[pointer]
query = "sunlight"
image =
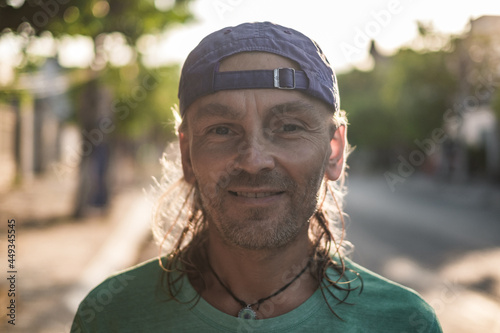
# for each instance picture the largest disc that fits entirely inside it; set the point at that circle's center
(344, 32)
(76, 51)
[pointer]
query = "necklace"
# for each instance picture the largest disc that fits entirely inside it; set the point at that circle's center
(247, 312)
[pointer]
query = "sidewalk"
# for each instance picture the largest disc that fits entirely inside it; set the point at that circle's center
(60, 259)
(473, 194)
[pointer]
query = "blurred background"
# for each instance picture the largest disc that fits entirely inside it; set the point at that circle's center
(86, 89)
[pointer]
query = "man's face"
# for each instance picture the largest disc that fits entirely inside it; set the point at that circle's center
(257, 158)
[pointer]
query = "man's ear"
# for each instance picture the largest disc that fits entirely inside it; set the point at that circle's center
(336, 160)
(187, 167)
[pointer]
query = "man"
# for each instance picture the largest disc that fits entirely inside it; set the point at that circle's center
(263, 147)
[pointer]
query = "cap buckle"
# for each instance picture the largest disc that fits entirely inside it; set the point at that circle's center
(277, 80)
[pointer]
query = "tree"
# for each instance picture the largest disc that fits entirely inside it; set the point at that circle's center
(401, 100)
(118, 98)
(418, 91)
(132, 18)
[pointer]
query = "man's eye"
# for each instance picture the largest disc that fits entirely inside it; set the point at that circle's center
(221, 130)
(290, 127)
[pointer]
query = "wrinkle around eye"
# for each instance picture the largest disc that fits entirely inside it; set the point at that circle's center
(290, 127)
(220, 131)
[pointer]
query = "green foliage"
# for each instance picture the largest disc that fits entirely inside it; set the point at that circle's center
(418, 90)
(360, 96)
(141, 97)
(133, 18)
(143, 101)
(496, 103)
(400, 100)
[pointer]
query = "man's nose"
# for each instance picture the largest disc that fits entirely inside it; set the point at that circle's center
(254, 155)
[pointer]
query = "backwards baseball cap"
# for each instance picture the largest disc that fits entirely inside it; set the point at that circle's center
(201, 76)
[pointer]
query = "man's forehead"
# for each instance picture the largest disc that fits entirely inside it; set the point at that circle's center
(220, 109)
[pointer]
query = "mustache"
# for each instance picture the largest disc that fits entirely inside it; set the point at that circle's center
(272, 178)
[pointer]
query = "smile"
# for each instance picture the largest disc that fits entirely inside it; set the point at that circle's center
(254, 194)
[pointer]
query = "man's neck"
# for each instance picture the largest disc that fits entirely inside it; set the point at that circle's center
(255, 274)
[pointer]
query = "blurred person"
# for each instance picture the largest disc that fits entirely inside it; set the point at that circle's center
(258, 234)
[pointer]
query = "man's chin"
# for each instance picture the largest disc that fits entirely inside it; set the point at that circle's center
(260, 234)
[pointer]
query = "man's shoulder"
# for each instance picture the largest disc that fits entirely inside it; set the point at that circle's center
(378, 286)
(143, 275)
(388, 303)
(128, 297)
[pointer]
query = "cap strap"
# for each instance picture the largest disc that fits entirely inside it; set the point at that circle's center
(281, 78)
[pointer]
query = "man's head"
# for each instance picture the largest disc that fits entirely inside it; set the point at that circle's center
(258, 154)
(201, 71)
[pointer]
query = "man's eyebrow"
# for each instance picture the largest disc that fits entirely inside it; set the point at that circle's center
(217, 110)
(292, 107)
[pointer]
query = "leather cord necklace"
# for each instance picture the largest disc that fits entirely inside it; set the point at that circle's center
(247, 312)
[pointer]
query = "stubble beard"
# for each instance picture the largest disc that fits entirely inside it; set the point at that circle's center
(262, 228)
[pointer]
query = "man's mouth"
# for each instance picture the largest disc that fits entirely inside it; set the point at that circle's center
(254, 194)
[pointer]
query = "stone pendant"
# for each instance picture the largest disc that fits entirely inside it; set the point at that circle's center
(247, 313)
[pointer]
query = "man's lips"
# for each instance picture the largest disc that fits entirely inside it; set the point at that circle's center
(255, 194)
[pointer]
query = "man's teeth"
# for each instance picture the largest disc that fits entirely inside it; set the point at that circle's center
(255, 194)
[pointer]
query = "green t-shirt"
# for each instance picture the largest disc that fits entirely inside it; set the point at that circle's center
(134, 301)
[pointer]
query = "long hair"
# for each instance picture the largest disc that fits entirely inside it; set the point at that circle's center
(180, 227)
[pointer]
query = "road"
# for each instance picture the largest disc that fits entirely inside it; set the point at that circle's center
(442, 240)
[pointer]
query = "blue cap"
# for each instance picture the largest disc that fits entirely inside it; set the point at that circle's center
(200, 74)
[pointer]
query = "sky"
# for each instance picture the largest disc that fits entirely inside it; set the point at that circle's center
(343, 29)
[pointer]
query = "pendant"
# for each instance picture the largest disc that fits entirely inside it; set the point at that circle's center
(247, 313)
